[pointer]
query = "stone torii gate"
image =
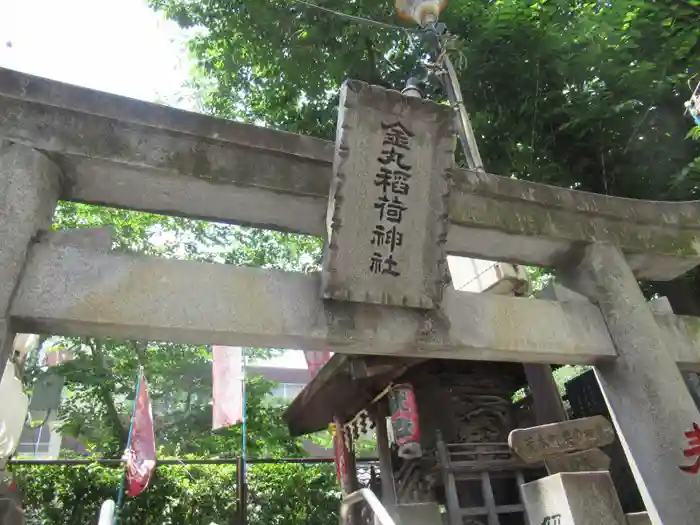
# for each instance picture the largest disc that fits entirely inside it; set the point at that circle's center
(384, 287)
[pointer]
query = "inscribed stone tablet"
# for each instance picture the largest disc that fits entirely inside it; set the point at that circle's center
(387, 213)
(583, 461)
(573, 498)
(546, 441)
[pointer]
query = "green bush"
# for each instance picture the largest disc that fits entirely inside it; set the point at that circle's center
(192, 495)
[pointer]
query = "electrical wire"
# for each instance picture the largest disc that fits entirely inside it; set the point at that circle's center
(357, 19)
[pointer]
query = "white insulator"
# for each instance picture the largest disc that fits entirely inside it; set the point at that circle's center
(422, 12)
(107, 513)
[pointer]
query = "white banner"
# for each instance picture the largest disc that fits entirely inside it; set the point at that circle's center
(227, 371)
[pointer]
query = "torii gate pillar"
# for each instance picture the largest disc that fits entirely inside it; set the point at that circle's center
(29, 190)
(648, 400)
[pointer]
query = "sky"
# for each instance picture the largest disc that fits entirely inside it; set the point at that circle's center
(117, 46)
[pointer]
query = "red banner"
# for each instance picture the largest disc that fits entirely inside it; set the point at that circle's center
(227, 371)
(404, 420)
(315, 360)
(342, 457)
(141, 454)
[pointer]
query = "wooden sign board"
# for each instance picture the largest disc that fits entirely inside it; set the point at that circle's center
(547, 441)
(387, 212)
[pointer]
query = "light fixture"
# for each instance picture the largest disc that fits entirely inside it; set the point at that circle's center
(422, 12)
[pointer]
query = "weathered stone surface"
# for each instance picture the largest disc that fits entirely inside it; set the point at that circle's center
(387, 210)
(73, 290)
(88, 238)
(7, 338)
(573, 498)
(690, 375)
(583, 461)
(545, 441)
(132, 154)
(647, 398)
(127, 153)
(638, 518)
(29, 188)
(680, 331)
(540, 222)
(172, 193)
(681, 335)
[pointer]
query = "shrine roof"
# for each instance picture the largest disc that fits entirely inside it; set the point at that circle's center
(345, 385)
(348, 384)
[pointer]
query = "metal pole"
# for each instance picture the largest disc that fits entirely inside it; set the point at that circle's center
(242, 492)
(467, 137)
(433, 32)
(241, 470)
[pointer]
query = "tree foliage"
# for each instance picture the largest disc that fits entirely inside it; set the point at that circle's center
(100, 382)
(587, 95)
(181, 238)
(575, 94)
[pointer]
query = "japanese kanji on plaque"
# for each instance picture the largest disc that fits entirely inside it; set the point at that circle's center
(387, 216)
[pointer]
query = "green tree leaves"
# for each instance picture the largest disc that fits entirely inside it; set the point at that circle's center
(181, 495)
(586, 95)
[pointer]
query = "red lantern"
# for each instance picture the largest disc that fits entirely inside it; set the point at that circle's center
(404, 420)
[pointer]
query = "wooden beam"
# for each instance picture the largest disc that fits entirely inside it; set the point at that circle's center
(74, 290)
(125, 153)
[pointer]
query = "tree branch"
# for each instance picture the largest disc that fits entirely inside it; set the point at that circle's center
(105, 395)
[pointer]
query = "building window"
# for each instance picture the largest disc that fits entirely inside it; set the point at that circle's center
(41, 442)
(287, 391)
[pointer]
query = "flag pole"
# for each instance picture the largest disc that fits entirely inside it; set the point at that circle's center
(242, 467)
(120, 494)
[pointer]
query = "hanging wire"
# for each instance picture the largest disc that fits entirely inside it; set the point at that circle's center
(446, 72)
(356, 19)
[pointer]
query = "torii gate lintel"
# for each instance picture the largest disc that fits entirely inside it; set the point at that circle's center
(156, 159)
